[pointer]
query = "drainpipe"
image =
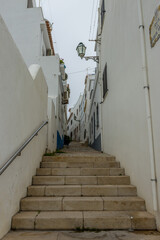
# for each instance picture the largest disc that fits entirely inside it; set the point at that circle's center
(148, 107)
(101, 92)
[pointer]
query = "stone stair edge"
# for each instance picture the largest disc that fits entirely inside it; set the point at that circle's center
(136, 220)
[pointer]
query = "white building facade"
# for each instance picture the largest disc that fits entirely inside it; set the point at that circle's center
(32, 34)
(94, 114)
(128, 48)
(74, 126)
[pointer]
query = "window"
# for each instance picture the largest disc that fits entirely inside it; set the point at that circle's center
(71, 134)
(30, 4)
(90, 128)
(97, 113)
(85, 134)
(102, 12)
(71, 122)
(105, 87)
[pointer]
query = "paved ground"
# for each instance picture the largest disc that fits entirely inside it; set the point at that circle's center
(103, 235)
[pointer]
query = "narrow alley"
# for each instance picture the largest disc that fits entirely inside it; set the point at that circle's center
(79, 119)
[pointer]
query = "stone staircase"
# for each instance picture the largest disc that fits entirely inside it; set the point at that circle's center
(82, 189)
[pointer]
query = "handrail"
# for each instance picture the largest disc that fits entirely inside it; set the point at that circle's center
(18, 152)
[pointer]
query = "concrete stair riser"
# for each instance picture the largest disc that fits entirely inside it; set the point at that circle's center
(82, 204)
(108, 164)
(80, 180)
(67, 220)
(78, 159)
(82, 190)
(80, 171)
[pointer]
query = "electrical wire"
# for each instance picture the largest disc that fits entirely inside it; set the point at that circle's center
(80, 71)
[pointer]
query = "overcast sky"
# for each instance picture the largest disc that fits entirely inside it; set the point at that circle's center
(73, 21)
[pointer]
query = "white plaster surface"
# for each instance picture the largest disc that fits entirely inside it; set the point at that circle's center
(52, 133)
(23, 107)
(125, 132)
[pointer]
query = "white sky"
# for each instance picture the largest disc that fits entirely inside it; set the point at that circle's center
(74, 21)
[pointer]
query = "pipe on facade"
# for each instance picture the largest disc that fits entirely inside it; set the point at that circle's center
(101, 91)
(148, 107)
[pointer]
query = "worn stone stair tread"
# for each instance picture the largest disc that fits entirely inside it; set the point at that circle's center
(84, 190)
(41, 204)
(87, 219)
(123, 203)
(109, 164)
(71, 180)
(119, 220)
(77, 158)
(82, 203)
(80, 171)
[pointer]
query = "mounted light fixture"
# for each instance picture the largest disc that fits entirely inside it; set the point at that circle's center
(81, 50)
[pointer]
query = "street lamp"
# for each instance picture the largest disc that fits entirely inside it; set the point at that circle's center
(81, 50)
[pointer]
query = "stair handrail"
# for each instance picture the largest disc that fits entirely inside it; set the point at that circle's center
(18, 152)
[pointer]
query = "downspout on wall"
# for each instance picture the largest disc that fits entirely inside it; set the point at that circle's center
(148, 109)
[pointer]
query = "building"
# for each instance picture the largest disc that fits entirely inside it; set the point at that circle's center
(128, 73)
(85, 108)
(36, 46)
(74, 127)
(94, 114)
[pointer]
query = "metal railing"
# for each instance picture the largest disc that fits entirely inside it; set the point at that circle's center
(18, 152)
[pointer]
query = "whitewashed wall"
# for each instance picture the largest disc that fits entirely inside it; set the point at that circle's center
(52, 132)
(23, 108)
(75, 124)
(94, 102)
(125, 132)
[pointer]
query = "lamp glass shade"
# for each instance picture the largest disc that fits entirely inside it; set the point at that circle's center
(81, 49)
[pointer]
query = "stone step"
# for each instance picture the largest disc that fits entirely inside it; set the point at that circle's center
(78, 158)
(82, 190)
(119, 220)
(109, 164)
(80, 171)
(67, 220)
(86, 180)
(82, 204)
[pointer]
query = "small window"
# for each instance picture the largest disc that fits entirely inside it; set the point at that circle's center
(71, 122)
(71, 134)
(102, 13)
(105, 84)
(30, 4)
(85, 134)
